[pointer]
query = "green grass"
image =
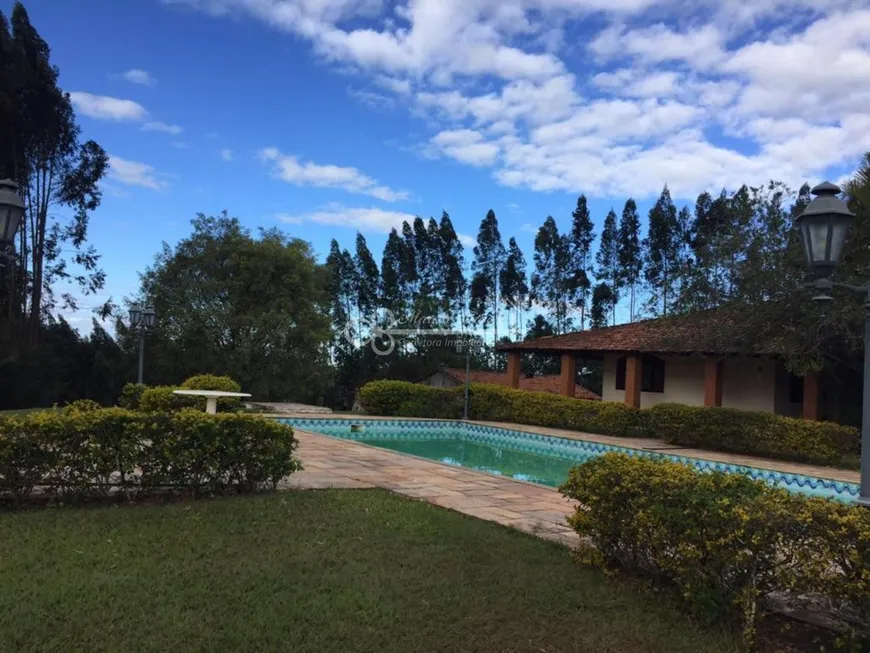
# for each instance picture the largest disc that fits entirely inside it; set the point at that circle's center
(330, 570)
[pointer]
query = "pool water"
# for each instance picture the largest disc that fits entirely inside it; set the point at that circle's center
(531, 457)
(521, 465)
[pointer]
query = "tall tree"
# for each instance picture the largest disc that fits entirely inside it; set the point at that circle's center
(489, 256)
(343, 290)
(662, 248)
(581, 237)
(629, 252)
(553, 278)
(391, 289)
(43, 154)
(410, 276)
(367, 278)
(607, 258)
(453, 259)
(514, 288)
(603, 301)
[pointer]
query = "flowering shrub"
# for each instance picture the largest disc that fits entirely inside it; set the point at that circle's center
(723, 541)
(88, 453)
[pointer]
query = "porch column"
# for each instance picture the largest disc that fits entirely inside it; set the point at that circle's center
(633, 378)
(712, 383)
(514, 359)
(811, 396)
(567, 374)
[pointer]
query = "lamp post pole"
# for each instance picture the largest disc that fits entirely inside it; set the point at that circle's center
(142, 319)
(823, 227)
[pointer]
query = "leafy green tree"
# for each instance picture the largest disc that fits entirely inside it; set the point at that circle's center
(554, 277)
(629, 252)
(391, 287)
(252, 308)
(662, 251)
(603, 301)
(607, 258)
(409, 279)
(581, 237)
(489, 257)
(453, 259)
(367, 278)
(54, 170)
(514, 288)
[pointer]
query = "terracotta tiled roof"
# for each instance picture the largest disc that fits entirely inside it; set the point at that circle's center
(546, 383)
(691, 333)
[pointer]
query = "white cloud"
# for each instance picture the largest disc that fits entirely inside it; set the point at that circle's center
(365, 219)
(361, 218)
(157, 126)
(467, 146)
(643, 99)
(133, 173)
(226, 154)
(101, 107)
(138, 76)
(305, 173)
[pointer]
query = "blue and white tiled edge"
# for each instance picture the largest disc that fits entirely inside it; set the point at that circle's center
(564, 448)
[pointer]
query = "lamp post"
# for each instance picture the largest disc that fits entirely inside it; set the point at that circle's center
(142, 319)
(823, 226)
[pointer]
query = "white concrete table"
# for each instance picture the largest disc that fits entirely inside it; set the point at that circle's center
(211, 397)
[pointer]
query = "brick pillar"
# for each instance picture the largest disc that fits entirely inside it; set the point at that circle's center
(712, 383)
(514, 360)
(633, 377)
(567, 374)
(811, 396)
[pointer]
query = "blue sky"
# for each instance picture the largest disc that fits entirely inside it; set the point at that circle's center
(327, 116)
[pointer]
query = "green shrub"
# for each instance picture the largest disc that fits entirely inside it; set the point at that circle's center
(131, 395)
(88, 453)
(755, 432)
(214, 382)
(162, 399)
(500, 404)
(82, 406)
(723, 541)
(211, 382)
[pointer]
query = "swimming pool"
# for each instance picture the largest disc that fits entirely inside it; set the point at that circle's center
(528, 456)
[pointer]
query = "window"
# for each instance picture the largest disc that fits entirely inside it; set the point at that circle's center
(795, 389)
(652, 377)
(653, 374)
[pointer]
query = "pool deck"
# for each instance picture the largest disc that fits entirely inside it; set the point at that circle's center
(336, 463)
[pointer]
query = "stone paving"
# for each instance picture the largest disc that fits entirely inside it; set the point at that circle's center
(334, 463)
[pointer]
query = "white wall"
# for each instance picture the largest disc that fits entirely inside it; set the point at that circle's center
(748, 383)
(684, 382)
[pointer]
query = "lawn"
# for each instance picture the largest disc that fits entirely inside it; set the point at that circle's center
(328, 570)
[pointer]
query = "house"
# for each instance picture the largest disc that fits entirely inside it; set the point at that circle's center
(677, 359)
(448, 377)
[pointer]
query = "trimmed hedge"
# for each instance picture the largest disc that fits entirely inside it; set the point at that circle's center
(723, 541)
(500, 404)
(78, 453)
(756, 432)
(723, 429)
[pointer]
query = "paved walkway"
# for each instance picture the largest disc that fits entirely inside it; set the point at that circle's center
(334, 463)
